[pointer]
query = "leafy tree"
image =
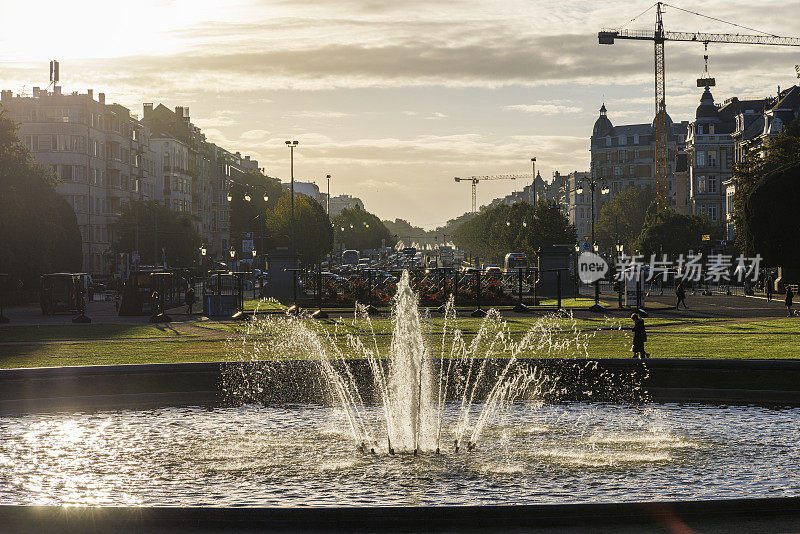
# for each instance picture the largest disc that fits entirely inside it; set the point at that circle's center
(38, 229)
(150, 227)
(312, 228)
(671, 233)
(770, 219)
(251, 216)
(521, 227)
(764, 205)
(361, 230)
(623, 218)
(403, 229)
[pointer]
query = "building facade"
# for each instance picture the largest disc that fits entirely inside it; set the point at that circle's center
(100, 153)
(624, 156)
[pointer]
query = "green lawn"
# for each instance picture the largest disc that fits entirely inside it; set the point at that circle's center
(678, 338)
(67, 332)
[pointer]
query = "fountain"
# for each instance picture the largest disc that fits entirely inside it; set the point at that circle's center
(416, 378)
(353, 412)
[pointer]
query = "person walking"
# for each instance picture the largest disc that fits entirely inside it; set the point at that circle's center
(189, 298)
(789, 297)
(639, 337)
(768, 288)
(680, 292)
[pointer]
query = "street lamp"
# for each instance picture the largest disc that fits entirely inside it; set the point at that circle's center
(292, 145)
(328, 200)
(533, 183)
(620, 248)
(604, 190)
(247, 197)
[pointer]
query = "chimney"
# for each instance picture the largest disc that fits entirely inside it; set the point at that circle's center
(90, 92)
(101, 97)
(57, 90)
(148, 108)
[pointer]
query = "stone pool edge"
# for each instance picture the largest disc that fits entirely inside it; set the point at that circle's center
(770, 382)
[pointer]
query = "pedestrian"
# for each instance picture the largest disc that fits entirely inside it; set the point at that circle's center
(789, 297)
(639, 337)
(155, 304)
(768, 289)
(189, 298)
(680, 292)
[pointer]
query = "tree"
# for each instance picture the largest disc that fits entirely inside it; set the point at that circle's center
(251, 216)
(151, 228)
(763, 204)
(312, 228)
(404, 229)
(521, 227)
(671, 233)
(38, 229)
(361, 230)
(623, 218)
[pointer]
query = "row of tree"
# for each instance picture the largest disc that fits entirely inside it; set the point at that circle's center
(520, 227)
(39, 231)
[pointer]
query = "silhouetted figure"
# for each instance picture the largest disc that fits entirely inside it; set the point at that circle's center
(189, 298)
(639, 337)
(680, 292)
(789, 297)
(155, 304)
(768, 289)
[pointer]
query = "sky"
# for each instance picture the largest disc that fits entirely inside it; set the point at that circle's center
(393, 98)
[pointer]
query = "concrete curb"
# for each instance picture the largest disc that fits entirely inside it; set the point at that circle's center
(764, 514)
(185, 384)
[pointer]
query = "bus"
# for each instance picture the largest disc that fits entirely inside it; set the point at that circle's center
(515, 260)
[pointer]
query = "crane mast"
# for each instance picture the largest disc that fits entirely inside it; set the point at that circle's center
(661, 114)
(659, 37)
(475, 179)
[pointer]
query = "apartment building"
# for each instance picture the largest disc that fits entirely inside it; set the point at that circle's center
(100, 152)
(623, 156)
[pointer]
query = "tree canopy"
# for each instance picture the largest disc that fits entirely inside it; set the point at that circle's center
(623, 218)
(765, 202)
(521, 227)
(150, 226)
(251, 216)
(361, 230)
(312, 228)
(669, 232)
(38, 229)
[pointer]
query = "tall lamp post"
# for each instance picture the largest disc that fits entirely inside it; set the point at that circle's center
(328, 199)
(292, 145)
(533, 183)
(620, 247)
(604, 190)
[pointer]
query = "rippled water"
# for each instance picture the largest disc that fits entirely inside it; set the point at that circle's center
(298, 455)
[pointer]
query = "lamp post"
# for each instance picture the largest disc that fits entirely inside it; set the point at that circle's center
(619, 247)
(604, 190)
(292, 145)
(328, 199)
(203, 253)
(533, 183)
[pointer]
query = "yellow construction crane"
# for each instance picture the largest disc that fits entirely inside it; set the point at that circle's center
(475, 179)
(659, 36)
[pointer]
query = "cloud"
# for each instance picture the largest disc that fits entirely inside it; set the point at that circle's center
(543, 109)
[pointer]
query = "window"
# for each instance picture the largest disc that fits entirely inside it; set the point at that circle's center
(711, 129)
(228, 171)
(32, 142)
(636, 139)
(631, 170)
(622, 139)
(701, 158)
(617, 171)
(712, 158)
(712, 212)
(712, 184)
